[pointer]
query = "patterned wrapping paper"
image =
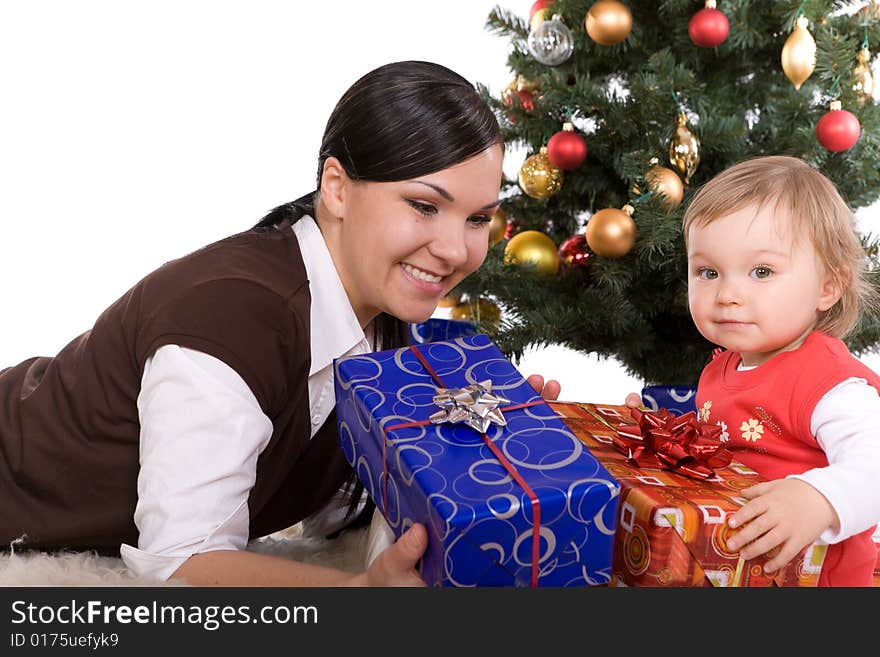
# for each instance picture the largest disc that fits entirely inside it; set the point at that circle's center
(672, 529)
(678, 399)
(480, 521)
(439, 330)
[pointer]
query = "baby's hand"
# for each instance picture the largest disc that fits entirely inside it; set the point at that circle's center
(785, 513)
(633, 400)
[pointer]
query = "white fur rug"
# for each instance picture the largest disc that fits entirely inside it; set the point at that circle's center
(348, 552)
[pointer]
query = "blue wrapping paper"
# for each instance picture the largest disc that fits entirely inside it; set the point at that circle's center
(439, 330)
(678, 400)
(479, 519)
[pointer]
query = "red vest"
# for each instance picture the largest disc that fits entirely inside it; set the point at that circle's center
(765, 415)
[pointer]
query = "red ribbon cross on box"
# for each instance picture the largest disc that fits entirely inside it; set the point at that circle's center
(511, 470)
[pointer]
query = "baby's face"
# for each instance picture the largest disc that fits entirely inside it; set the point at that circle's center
(752, 288)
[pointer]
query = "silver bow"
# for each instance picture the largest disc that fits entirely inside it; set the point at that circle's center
(475, 405)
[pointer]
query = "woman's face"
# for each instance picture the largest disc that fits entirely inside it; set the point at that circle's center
(404, 245)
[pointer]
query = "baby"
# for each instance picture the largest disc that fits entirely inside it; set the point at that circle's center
(776, 276)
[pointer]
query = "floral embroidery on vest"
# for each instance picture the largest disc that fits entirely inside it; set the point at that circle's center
(752, 430)
(724, 437)
(704, 411)
(767, 420)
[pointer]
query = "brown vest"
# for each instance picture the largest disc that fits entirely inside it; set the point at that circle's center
(69, 429)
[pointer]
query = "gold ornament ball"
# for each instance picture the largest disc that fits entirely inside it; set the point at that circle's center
(532, 247)
(483, 311)
(799, 53)
(538, 177)
(608, 22)
(498, 226)
(684, 150)
(666, 183)
(523, 84)
(611, 233)
(519, 83)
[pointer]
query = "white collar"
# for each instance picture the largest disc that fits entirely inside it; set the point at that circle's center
(334, 326)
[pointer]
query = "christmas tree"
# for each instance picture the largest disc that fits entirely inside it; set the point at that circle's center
(658, 98)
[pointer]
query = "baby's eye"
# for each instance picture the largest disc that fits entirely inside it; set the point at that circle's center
(762, 272)
(707, 274)
(422, 208)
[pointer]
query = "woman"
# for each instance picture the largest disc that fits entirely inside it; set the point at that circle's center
(197, 413)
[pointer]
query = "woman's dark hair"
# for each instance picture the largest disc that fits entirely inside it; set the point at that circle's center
(399, 121)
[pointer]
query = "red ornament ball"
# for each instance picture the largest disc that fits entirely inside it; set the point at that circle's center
(838, 130)
(512, 229)
(708, 27)
(566, 149)
(527, 99)
(538, 6)
(574, 253)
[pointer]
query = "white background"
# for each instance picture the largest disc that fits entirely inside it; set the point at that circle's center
(134, 132)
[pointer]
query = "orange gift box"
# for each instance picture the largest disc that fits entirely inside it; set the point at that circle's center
(672, 529)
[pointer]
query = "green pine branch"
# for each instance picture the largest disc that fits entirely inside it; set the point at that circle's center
(626, 99)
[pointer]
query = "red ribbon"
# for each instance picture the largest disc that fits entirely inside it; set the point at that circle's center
(679, 443)
(536, 505)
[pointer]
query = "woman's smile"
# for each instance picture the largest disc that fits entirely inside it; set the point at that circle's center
(423, 280)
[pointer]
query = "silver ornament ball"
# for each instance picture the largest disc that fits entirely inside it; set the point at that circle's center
(551, 42)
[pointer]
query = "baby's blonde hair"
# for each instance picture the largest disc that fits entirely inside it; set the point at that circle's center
(817, 211)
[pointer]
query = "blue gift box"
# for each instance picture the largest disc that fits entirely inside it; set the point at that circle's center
(480, 520)
(678, 400)
(439, 330)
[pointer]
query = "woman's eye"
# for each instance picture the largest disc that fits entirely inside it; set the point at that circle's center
(422, 208)
(479, 220)
(762, 272)
(707, 274)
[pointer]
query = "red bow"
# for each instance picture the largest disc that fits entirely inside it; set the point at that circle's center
(679, 443)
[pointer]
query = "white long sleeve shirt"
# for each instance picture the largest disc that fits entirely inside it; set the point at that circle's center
(846, 423)
(202, 431)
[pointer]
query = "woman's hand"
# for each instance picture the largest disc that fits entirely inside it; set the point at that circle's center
(549, 390)
(396, 565)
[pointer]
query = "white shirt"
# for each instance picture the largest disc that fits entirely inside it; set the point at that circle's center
(192, 494)
(846, 423)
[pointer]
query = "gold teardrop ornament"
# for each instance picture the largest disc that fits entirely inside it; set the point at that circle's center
(863, 78)
(799, 53)
(684, 150)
